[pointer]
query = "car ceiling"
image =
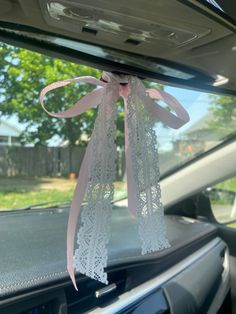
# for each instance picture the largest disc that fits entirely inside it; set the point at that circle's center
(185, 32)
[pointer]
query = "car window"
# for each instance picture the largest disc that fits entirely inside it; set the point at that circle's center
(40, 156)
(223, 201)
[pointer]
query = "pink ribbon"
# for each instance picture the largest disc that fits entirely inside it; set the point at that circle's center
(121, 88)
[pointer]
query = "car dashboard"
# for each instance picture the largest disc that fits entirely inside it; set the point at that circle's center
(192, 276)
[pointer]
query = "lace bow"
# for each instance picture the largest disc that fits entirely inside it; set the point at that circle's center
(98, 169)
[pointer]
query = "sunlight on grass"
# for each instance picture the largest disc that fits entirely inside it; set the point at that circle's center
(14, 200)
(229, 185)
(231, 225)
(21, 193)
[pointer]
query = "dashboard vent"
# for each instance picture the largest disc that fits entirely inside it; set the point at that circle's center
(87, 297)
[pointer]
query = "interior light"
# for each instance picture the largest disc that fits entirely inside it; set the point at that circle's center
(220, 80)
(74, 15)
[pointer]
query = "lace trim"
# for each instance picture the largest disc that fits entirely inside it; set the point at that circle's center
(143, 145)
(91, 256)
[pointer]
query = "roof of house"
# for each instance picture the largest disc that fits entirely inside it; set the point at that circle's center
(201, 124)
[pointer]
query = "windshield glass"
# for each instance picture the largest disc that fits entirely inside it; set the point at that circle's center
(40, 156)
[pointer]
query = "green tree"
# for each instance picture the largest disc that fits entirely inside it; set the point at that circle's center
(223, 110)
(23, 74)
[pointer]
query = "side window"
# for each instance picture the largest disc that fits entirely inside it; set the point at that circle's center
(223, 201)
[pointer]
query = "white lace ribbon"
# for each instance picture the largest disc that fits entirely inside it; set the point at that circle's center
(91, 256)
(143, 147)
(98, 170)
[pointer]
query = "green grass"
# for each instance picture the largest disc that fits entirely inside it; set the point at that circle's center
(227, 197)
(20, 193)
(19, 199)
(231, 225)
(229, 185)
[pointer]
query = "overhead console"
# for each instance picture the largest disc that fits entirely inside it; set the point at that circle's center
(190, 45)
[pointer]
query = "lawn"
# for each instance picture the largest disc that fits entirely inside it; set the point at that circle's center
(21, 192)
(224, 198)
(231, 225)
(229, 185)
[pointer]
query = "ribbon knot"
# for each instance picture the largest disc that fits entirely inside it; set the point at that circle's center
(124, 90)
(98, 169)
(121, 81)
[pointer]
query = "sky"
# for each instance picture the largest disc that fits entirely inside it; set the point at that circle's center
(196, 103)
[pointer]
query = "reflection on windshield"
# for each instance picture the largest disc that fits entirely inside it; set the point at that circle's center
(40, 157)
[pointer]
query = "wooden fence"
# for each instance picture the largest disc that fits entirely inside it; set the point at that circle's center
(43, 161)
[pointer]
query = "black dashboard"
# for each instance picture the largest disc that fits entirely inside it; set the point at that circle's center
(34, 279)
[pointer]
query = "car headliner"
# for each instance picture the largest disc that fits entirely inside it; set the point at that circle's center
(210, 52)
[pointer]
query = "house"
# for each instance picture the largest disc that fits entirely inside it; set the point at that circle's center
(202, 134)
(9, 134)
(199, 137)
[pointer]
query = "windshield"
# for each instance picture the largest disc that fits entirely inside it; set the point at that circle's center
(40, 156)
